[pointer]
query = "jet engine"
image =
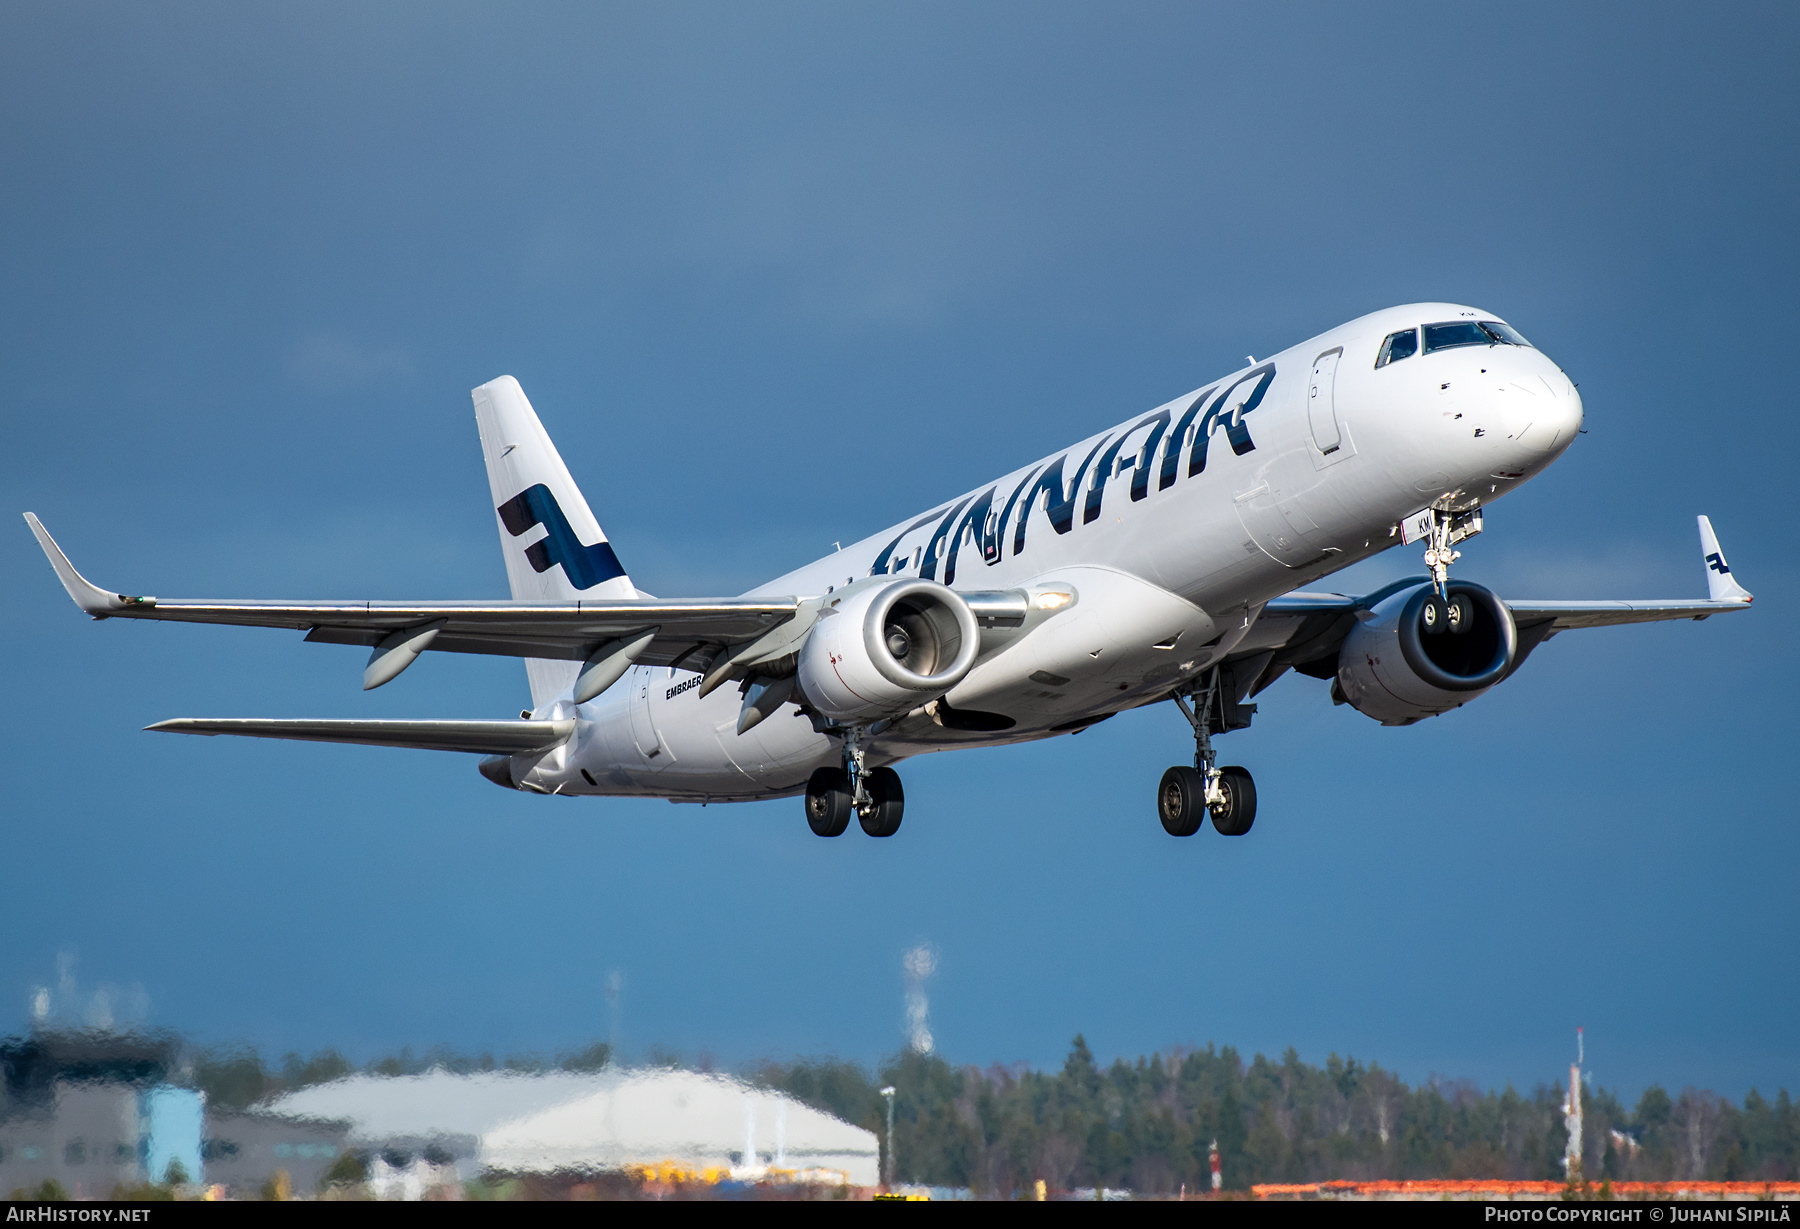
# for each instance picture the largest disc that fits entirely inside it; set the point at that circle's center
(882, 650)
(1416, 655)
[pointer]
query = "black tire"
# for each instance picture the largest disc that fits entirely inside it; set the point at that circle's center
(1461, 609)
(1181, 801)
(1239, 811)
(884, 789)
(1434, 616)
(828, 802)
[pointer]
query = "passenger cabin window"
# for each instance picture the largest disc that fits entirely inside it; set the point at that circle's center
(1398, 346)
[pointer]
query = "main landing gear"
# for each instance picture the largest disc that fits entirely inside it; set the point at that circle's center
(874, 795)
(1187, 796)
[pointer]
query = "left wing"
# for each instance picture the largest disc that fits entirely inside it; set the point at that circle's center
(1302, 631)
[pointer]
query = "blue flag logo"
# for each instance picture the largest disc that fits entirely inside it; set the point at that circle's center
(585, 566)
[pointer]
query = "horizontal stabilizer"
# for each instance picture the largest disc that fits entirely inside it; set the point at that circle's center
(480, 737)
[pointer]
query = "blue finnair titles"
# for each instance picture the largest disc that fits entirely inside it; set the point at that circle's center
(585, 566)
(972, 520)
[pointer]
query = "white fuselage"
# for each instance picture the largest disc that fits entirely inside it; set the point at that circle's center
(1173, 528)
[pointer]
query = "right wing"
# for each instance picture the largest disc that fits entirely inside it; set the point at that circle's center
(718, 637)
(482, 737)
(690, 633)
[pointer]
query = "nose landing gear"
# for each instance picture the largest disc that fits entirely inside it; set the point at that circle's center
(1188, 796)
(873, 795)
(1443, 530)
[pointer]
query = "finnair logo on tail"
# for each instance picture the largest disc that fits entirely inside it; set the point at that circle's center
(585, 566)
(1717, 563)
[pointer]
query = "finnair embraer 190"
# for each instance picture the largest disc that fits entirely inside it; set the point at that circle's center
(1161, 559)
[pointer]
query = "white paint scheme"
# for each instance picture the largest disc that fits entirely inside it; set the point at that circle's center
(1150, 585)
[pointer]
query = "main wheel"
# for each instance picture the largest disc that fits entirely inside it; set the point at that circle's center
(1239, 811)
(1181, 800)
(828, 802)
(889, 800)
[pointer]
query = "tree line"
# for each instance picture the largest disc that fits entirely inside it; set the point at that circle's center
(1150, 1125)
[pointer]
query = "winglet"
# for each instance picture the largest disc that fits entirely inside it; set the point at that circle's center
(96, 601)
(1719, 583)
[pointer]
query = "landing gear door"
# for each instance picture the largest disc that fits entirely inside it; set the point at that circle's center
(1328, 436)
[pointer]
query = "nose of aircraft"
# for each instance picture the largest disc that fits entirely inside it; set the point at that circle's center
(1555, 418)
(1528, 410)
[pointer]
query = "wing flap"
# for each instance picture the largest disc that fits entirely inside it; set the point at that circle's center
(668, 648)
(480, 737)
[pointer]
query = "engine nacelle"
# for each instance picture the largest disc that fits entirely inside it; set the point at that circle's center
(1392, 669)
(885, 649)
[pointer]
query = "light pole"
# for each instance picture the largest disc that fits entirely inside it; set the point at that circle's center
(887, 1178)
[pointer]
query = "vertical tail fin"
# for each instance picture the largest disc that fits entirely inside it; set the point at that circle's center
(554, 548)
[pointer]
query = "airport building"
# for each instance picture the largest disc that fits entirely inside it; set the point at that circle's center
(99, 1112)
(437, 1128)
(94, 1112)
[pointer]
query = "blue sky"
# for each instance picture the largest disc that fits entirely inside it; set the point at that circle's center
(777, 275)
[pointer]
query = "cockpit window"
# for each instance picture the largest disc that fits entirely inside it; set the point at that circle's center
(1459, 333)
(1469, 333)
(1398, 346)
(1505, 332)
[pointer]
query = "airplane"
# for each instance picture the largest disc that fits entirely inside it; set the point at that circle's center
(1162, 559)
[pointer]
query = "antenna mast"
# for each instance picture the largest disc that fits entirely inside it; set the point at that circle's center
(1572, 1110)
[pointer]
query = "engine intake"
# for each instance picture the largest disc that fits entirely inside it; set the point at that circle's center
(888, 648)
(1402, 664)
(1471, 659)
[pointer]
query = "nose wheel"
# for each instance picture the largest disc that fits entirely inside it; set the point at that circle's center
(1187, 797)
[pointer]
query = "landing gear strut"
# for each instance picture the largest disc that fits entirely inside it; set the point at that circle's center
(1443, 530)
(874, 795)
(1187, 796)
(1444, 611)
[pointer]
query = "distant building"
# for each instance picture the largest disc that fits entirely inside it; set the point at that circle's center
(96, 1111)
(423, 1130)
(243, 1151)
